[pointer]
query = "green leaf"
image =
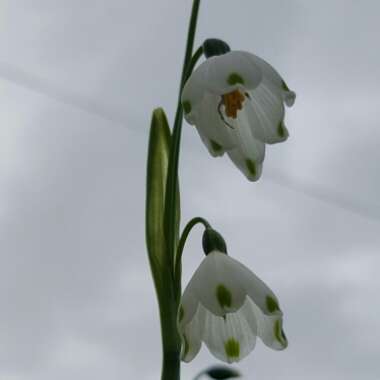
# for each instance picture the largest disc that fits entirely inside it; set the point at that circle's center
(222, 372)
(157, 169)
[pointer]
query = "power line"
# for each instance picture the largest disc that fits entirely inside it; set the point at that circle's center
(329, 196)
(43, 87)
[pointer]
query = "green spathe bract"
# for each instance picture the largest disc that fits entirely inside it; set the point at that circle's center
(157, 168)
(157, 172)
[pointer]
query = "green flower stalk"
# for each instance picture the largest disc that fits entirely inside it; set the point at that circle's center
(162, 214)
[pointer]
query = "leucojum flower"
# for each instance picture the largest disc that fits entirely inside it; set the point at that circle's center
(236, 102)
(226, 306)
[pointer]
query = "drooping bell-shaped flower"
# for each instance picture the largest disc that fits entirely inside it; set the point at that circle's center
(226, 306)
(236, 102)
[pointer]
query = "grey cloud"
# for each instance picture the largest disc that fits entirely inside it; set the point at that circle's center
(75, 290)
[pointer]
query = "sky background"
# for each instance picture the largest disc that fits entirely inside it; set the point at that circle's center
(78, 81)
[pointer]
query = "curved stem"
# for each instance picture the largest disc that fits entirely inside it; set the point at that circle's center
(190, 67)
(172, 179)
(178, 258)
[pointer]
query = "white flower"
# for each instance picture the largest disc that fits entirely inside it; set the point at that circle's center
(236, 101)
(226, 306)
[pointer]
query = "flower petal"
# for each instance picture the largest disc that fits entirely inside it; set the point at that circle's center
(213, 147)
(250, 168)
(187, 309)
(269, 328)
(193, 92)
(231, 338)
(216, 284)
(259, 293)
(250, 152)
(210, 124)
(248, 145)
(273, 76)
(191, 337)
(267, 106)
(230, 71)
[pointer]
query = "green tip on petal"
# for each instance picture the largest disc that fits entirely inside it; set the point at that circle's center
(224, 296)
(215, 146)
(186, 346)
(251, 166)
(235, 78)
(281, 129)
(272, 304)
(284, 86)
(186, 106)
(232, 348)
(279, 333)
(181, 313)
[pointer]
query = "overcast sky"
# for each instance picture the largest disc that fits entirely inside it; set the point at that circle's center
(78, 82)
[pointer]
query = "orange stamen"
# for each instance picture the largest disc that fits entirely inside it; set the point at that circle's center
(233, 102)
